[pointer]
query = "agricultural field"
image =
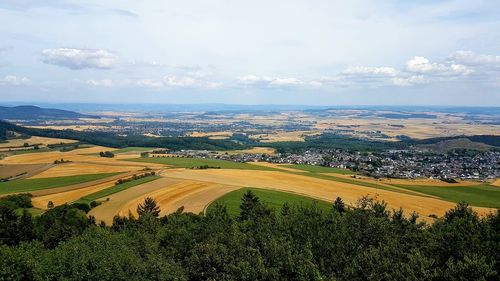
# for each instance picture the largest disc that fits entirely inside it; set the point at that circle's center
(27, 185)
(477, 195)
(271, 198)
(195, 183)
(320, 169)
(42, 141)
(193, 163)
(114, 189)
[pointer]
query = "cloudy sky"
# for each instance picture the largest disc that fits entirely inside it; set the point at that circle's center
(356, 52)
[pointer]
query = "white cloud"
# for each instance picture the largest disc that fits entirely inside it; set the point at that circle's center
(252, 79)
(268, 81)
(149, 83)
(409, 81)
(107, 83)
(285, 81)
(368, 70)
(214, 85)
(424, 66)
(15, 80)
(175, 81)
(472, 59)
(73, 58)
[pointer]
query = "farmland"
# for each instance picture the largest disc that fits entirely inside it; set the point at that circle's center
(27, 185)
(194, 183)
(477, 195)
(190, 163)
(320, 169)
(114, 189)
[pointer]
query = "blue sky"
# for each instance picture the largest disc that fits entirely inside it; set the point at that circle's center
(355, 52)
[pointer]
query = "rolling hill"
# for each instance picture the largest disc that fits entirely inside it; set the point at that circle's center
(30, 112)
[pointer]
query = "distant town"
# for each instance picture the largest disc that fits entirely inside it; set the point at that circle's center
(409, 164)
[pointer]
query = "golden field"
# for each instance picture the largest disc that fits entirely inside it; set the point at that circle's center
(195, 189)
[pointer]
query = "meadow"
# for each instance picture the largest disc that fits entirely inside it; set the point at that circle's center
(478, 195)
(273, 199)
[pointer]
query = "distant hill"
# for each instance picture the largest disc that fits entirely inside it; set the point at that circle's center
(452, 144)
(30, 112)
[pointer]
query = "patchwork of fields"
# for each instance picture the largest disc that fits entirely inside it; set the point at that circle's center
(195, 184)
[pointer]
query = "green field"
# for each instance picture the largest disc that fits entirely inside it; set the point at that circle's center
(320, 169)
(26, 185)
(479, 195)
(273, 199)
(182, 162)
(131, 148)
(114, 189)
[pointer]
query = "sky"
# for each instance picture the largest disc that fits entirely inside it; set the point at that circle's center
(356, 52)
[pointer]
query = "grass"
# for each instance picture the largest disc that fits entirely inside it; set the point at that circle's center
(131, 148)
(26, 185)
(114, 189)
(182, 162)
(274, 199)
(479, 195)
(320, 169)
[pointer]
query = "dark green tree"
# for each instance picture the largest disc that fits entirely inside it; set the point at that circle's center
(339, 205)
(149, 207)
(249, 204)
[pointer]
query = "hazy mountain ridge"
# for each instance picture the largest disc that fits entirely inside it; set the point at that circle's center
(30, 112)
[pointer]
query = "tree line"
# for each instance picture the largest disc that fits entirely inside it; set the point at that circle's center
(301, 242)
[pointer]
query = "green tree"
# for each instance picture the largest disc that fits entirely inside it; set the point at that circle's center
(248, 205)
(149, 207)
(339, 205)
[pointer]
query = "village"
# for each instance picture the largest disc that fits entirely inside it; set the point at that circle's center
(408, 164)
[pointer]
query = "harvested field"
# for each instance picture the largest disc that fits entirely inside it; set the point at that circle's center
(429, 182)
(73, 169)
(60, 198)
(276, 166)
(75, 194)
(109, 209)
(85, 155)
(194, 196)
(34, 140)
(116, 188)
(112, 178)
(319, 188)
(48, 185)
(185, 162)
(496, 182)
(320, 169)
(17, 171)
(253, 150)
